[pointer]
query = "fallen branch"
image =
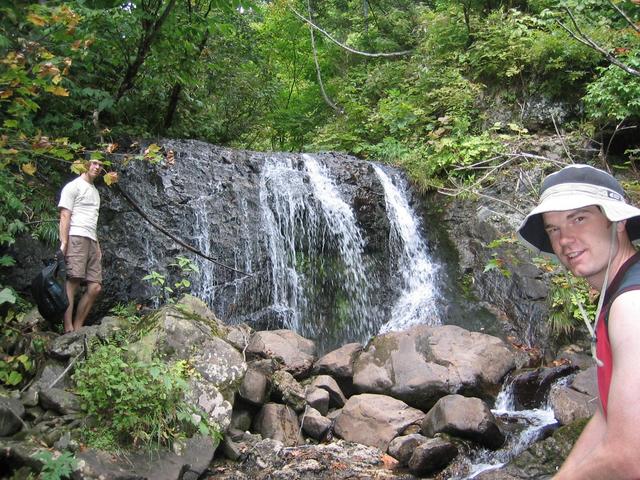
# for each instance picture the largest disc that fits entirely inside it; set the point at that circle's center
(624, 15)
(328, 101)
(71, 363)
(586, 40)
(158, 227)
(342, 45)
(564, 146)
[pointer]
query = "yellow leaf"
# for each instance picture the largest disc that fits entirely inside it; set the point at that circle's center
(110, 178)
(112, 147)
(37, 20)
(57, 91)
(29, 168)
(79, 166)
(6, 93)
(56, 79)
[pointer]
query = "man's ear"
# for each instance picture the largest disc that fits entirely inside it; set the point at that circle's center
(621, 226)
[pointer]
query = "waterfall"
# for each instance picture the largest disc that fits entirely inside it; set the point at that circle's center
(531, 425)
(282, 203)
(416, 272)
(341, 222)
(204, 286)
(318, 274)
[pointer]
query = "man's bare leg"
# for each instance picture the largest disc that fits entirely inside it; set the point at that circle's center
(71, 287)
(85, 304)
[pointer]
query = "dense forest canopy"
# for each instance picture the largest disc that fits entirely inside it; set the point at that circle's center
(413, 83)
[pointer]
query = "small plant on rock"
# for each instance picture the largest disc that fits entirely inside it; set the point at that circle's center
(56, 468)
(134, 403)
(168, 293)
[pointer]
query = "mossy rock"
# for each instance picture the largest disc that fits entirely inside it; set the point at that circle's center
(544, 458)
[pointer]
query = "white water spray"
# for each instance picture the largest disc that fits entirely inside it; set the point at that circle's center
(418, 290)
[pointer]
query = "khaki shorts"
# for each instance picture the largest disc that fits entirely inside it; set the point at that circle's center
(83, 259)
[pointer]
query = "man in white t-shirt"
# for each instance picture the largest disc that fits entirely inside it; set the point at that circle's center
(79, 205)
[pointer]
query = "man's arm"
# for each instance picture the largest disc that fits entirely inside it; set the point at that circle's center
(590, 437)
(615, 456)
(65, 223)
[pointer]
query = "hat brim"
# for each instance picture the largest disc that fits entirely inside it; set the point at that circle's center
(532, 231)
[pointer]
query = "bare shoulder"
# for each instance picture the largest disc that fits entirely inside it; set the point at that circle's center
(624, 320)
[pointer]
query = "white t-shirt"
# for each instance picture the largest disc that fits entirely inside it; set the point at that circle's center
(83, 199)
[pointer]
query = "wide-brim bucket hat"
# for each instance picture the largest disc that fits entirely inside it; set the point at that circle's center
(578, 186)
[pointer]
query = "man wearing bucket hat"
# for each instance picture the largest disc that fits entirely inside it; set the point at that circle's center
(583, 219)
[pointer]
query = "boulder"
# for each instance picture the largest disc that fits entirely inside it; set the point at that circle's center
(465, 418)
(531, 388)
(570, 405)
(431, 456)
(73, 344)
(579, 399)
(255, 386)
(295, 352)
(314, 424)
(278, 422)
(425, 363)
(402, 447)
(188, 330)
(325, 382)
(11, 414)
(60, 401)
(318, 398)
(375, 420)
(586, 381)
(187, 461)
(288, 390)
(338, 363)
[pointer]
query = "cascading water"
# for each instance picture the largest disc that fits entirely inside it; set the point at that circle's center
(531, 425)
(282, 201)
(204, 287)
(418, 291)
(341, 222)
(319, 285)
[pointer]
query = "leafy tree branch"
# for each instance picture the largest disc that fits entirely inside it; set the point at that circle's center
(342, 45)
(583, 38)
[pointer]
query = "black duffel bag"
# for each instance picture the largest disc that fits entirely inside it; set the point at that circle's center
(48, 289)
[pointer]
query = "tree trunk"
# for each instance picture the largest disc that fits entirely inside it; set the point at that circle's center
(144, 45)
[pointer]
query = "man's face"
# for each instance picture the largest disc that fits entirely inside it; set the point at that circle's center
(580, 239)
(94, 169)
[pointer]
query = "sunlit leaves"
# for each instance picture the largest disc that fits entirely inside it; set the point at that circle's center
(29, 168)
(110, 178)
(78, 167)
(58, 91)
(152, 153)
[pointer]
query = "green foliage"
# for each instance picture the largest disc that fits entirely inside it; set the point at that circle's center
(16, 368)
(503, 257)
(614, 95)
(56, 468)
(128, 311)
(565, 298)
(184, 267)
(136, 403)
(567, 293)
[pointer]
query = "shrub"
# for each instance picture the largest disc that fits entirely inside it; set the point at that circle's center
(136, 403)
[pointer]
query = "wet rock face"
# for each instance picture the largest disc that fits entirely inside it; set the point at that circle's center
(210, 199)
